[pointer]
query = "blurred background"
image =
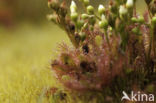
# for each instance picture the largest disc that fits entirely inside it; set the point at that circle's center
(17, 10)
(13, 11)
(28, 43)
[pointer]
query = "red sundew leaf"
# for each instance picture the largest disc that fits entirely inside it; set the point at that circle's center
(146, 37)
(146, 16)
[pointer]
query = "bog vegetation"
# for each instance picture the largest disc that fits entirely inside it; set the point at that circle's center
(113, 50)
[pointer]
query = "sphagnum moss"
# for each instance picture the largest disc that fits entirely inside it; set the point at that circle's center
(124, 60)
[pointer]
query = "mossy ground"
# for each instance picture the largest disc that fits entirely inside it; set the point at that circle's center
(25, 56)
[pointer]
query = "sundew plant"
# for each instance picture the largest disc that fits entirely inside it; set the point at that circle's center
(114, 50)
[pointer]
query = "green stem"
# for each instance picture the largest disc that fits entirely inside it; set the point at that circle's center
(97, 17)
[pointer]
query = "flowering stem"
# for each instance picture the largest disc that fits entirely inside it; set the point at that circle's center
(107, 39)
(97, 17)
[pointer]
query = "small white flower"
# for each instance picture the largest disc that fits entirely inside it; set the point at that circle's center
(101, 9)
(123, 10)
(129, 3)
(73, 7)
(103, 18)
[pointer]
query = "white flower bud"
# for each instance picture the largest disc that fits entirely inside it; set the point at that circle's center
(123, 10)
(73, 7)
(129, 3)
(103, 23)
(86, 2)
(103, 17)
(85, 16)
(52, 17)
(101, 9)
(154, 20)
(53, 4)
(141, 19)
(74, 16)
(90, 9)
